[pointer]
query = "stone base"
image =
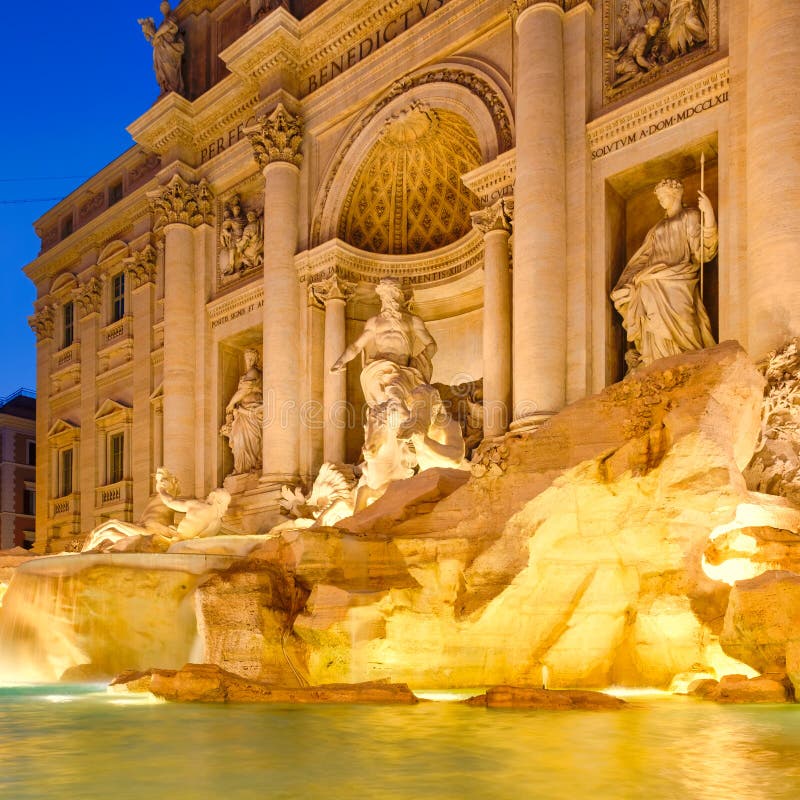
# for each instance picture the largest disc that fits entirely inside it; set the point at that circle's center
(255, 508)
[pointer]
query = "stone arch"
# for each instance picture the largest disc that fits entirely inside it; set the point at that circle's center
(452, 87)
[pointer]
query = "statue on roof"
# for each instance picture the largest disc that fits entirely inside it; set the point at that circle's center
(168, 47)
(260, 8)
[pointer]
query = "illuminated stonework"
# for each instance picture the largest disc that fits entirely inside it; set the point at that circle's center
(407, 196)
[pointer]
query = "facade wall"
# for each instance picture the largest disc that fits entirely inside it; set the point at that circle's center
(17, 472)
(558, 135)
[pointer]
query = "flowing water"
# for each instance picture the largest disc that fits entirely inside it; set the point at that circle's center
(79, 742)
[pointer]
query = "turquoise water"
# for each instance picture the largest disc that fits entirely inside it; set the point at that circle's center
(78, 742)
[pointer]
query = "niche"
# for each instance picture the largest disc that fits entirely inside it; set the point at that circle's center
(632, 209)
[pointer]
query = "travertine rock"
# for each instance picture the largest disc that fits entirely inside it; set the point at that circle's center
(771, 688)
(208, 683)
(763, 616)
(549, 699)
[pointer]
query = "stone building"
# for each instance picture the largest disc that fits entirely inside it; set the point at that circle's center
(17, 469)
(302, 150)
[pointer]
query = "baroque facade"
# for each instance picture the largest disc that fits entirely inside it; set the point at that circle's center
(498, 157)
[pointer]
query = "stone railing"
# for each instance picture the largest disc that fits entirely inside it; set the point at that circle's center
(116, 332)
(114, 494)
(66, 357)
(69, 505)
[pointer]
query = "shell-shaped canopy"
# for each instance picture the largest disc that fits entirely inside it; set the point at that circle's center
(407, 196)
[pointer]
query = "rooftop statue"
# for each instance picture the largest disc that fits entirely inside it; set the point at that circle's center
(397, 350)
(658, 293)
(168, 47)
(259, 8)
(244, 416)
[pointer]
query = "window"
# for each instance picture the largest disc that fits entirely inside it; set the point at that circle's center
(118, 297)
(29, 501)
(116, 444)
(65, 473)
(31, 453)
(115, 193)
(68, 319)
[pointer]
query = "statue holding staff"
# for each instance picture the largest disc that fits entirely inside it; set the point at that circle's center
(658, 293)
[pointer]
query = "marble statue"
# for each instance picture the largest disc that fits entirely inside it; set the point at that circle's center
(241, 239)
(402, 412)
(244, 416)
(203, 518)
(168, 47)
(157, 519)
(658, 293)
(631, 59)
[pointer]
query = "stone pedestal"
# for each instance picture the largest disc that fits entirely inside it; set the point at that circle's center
(276, 144)
(773, 175)
(539, 314)
(495, 224)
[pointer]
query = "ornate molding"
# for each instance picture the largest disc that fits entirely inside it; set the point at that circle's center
(496, 179)
(517, 7)
(42, 323)
(89, 296)
(142, 266)
(700, 92)
(278, 137)
(332, 288)
(182, 203)
(496, 217)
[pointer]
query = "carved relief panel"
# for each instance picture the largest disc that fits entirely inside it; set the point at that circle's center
(240, 237)
(646, 40)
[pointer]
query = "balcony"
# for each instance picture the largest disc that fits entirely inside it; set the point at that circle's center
(115, 497)
(67, 506)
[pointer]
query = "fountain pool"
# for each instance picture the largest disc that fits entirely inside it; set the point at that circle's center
(80, 742)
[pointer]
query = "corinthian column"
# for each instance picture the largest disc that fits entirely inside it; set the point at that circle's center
(773, 175)
(495, 224)
(276, 143)
(334, 294)
(182, 207)
(540, 246)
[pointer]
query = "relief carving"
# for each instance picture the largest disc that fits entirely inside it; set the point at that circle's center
(241, 239)
(89, 296)
(43, 323)
(496, 217)
(142, 267)
(647, 39)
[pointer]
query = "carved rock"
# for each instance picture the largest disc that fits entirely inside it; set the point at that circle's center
(545, 699)
(279, 137)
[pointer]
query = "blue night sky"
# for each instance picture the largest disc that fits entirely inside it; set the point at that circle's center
(75, 76)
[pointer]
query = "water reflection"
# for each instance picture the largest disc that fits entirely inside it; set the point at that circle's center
(93, 747)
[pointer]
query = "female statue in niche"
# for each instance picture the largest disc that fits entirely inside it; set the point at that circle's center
(168, 47)
(244, 415)
(658, 293)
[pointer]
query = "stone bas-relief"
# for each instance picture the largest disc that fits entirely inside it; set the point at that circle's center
(241, 239)
(407, 426)
(244, 415)
(645, 39)
(658, 293)
(168, 48)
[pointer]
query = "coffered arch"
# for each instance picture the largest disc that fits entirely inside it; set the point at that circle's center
(458, 94)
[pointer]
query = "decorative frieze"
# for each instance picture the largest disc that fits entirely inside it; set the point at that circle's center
(42, 323)
(278, 137)
(183, 203)
(704, 92)
(89, 296)
(142, 267)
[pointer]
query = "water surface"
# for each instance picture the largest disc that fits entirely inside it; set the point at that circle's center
(78, 742)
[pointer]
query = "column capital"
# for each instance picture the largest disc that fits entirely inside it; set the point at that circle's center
(496, 217)
(88, 297)
(183, 203)
(42, 323)
(142, 266)
(332, 288)
(278, 137)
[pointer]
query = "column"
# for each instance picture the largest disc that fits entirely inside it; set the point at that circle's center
(276, 143)
(539, 281)
(334, 294)
(494, 222)
(88, 302)
(182, 207)
(142, 273)
(772, 175)
(42, 323)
